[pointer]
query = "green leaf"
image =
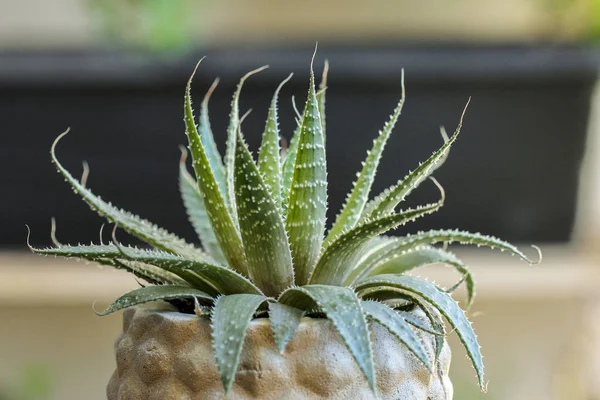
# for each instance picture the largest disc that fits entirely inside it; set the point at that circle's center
(399, 259)
(208, 141)
(338, 260)
(287, 168)
(222, 279)
(161, 267)
(196, 212)
(391, 295)
(154, 293)
(152, 275)
(269, 162)
(444, 303)
(321, 95)
(234, 121)
(81, 251)
(109, 255)
(418, 323)
(263, 232)
(387, 201)
(450, 236)
(437, 323)
(141, 228)
(398, 327)
(307, 205)
(218, 214)
(230, 319)
(284, 321)
(356, 200)
(380, 247)
(343, 308)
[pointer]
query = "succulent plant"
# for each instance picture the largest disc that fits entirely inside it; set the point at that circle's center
(266, 252)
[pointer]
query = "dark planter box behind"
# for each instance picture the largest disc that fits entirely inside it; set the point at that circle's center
(513, 172)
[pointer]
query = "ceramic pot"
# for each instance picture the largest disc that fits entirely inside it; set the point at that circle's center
(164, 355)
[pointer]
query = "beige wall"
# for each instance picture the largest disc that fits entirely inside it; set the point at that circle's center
(71, 344)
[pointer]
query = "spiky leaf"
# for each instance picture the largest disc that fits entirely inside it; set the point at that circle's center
(444, 303)
(230, 319)
(393, 296)
(222, 279)
(357, 199)
(341, 256)
(387, 201)
(426, 255)
(342, 307)
(284, 321)
(110, 255)
(380, 247)
(152, 275)
(307, 205)
(153, 293)
(398, 259)
(436, 323)
(161, 267)
(141, 228)
(287, 168)
(454, 235)
(418, 323)
(269, 162)
(234, 121)
(218, 214)
(208, 141)
(196, 211)
(398, 327)
(321, 95)
(263, 232)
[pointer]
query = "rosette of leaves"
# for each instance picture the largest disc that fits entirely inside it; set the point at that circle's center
(265, 250)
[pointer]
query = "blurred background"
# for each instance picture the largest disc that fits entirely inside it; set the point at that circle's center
(526, 167)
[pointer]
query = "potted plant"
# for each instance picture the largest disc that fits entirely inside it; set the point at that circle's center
(273, 306)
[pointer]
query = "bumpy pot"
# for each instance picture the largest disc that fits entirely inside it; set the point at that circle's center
(164, 355)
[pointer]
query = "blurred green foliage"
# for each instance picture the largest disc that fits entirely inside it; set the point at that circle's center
(158, 25)
(33, 382)
(574, 19)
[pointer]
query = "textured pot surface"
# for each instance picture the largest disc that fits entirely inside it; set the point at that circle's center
(166, 355)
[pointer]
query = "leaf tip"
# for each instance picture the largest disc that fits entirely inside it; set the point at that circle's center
(298, 115)
(403, 88)
(52, 233)
(210, 90)
(100, 234)
(239, 127)
(28, 236)
(249, 74)
(464, 111)
(540, 256)
(99, 313)
(115, 241)
(58, 138)
(444, 134)
(441, 188)
(184, 155)
(286, 80)
(312, 60)
(85, 174)
(194, 72)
